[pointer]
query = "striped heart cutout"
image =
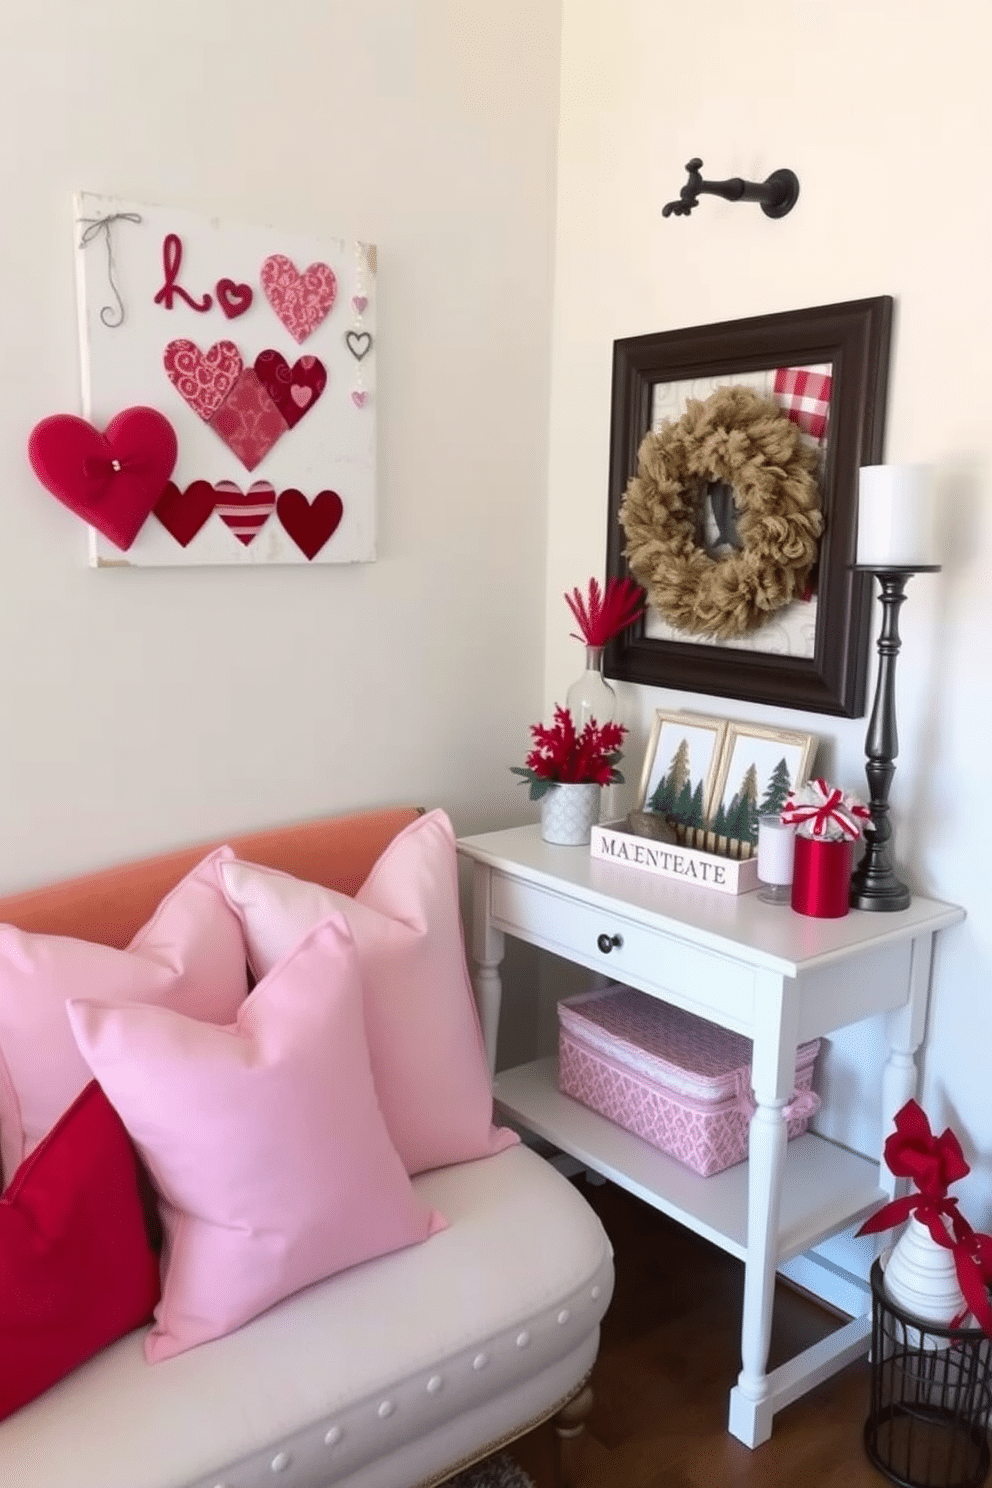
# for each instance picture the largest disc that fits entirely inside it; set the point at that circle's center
(245, 512)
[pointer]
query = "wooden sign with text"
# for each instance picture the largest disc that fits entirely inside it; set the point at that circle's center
(686, 864)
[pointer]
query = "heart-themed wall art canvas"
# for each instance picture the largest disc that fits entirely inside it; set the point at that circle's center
(259, 346)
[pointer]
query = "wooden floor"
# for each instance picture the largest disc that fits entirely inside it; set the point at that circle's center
(670, 1353)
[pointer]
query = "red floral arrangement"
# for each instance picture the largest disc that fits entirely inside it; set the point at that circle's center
(933, 1164)
(601, 615)
(562, 756)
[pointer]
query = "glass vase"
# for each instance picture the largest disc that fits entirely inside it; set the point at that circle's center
(590, 695)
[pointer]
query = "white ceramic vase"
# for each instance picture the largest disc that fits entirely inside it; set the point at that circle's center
(921, 1278)
(568, 813)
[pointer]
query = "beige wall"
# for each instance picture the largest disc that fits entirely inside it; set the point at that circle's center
(150, 707)
(881, 110)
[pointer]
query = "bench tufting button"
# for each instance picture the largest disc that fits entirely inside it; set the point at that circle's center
(523, 1339)
(480, 1361)
(385, 1409)
(281, 1461)
(564, 1315)
(332, 1437)
(595, 1293)
(434, 1384)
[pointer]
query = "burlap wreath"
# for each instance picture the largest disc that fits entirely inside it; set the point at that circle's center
(739, 437)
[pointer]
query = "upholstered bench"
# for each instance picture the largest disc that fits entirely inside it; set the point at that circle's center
(392, 1373)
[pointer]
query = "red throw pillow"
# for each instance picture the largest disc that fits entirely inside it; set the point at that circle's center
(77, 1269)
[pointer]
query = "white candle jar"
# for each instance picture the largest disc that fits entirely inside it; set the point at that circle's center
(776, 853)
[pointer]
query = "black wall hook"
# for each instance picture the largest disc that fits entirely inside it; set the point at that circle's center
(777, 195)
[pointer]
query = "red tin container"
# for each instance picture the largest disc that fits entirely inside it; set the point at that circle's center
(821, 877)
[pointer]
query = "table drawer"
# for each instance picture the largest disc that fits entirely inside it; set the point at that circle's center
(714, 986)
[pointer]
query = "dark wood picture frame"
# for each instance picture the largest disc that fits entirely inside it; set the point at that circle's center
(854, 337)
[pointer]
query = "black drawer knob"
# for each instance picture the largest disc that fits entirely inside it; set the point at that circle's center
(607, 942)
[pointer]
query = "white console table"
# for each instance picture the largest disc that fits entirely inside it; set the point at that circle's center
(775, 976)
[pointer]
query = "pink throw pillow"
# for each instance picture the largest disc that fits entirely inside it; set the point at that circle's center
(428, 1058)
(189, 956)
(264, 1140)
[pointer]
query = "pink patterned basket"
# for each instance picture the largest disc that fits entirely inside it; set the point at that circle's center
(682, 1084)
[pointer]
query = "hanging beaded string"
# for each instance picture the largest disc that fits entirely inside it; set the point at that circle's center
(359, 340)
(94, 227)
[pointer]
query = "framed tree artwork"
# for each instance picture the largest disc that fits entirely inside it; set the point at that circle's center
(681, 766)
(716, 776)
(734, 458)
(758, 768)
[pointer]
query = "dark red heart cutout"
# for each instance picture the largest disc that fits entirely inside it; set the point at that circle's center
(234, 299)
(309, 523)
(294, 390)
(183, 513)
(112, 480)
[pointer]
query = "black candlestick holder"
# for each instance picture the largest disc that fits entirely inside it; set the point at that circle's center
(874, 884)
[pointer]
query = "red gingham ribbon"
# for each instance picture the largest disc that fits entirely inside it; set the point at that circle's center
(804, 396)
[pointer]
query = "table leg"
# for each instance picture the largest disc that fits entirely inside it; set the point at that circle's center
(904, 1029)
(773, 1076)
(487, 953)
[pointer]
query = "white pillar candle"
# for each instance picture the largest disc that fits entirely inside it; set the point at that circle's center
(776, 850)
(896, 516)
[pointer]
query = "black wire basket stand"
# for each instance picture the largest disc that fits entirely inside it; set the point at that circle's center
(931, 1398)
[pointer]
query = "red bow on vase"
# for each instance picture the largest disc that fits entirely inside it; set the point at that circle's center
(933, 1164)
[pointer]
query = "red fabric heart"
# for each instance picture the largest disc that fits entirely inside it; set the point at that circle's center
(294, 390)
(183, 513)
(310, 523)
(234, 299)
(203, 379)
(245, 512)
(112, 480)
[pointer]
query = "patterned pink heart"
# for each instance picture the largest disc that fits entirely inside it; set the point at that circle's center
(245, 512)
(203, 379)
(301, 301)
(248, 421)
(294, 390)
(359, 398)
(359, 303)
